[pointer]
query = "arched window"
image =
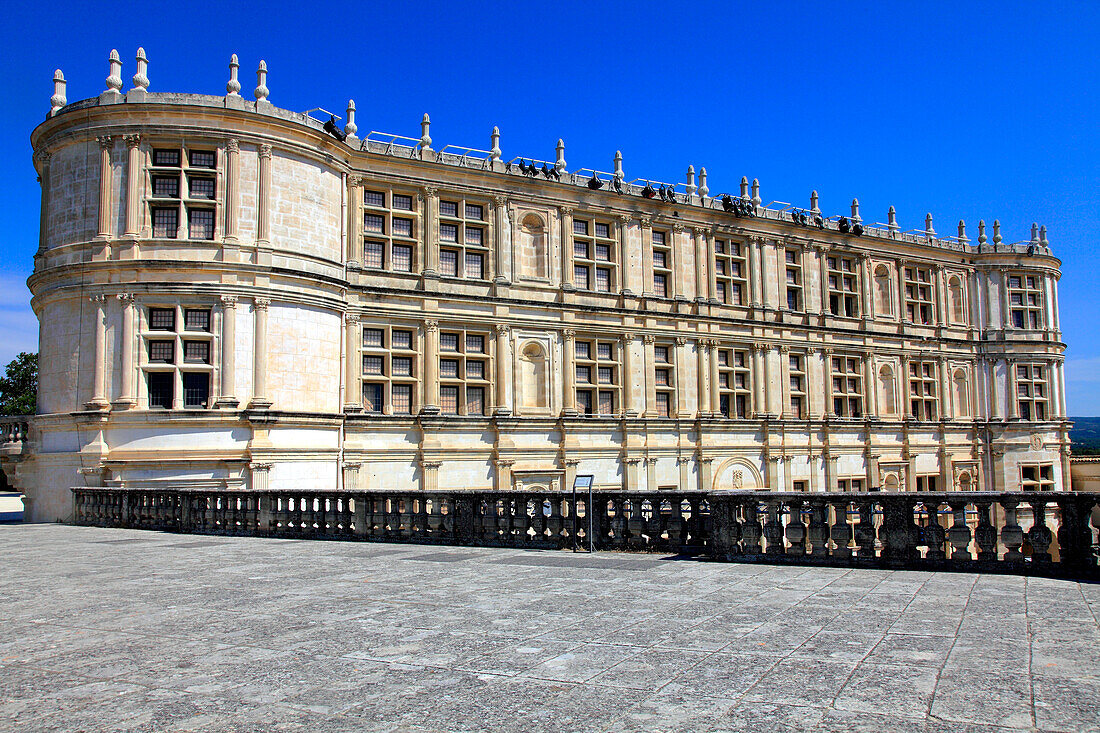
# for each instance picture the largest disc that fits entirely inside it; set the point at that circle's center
(888, 400)
(965, 482)
(532, 377)
(961, 394)
(955, 295)
(884, 301)
(531, 258)
(891, 482)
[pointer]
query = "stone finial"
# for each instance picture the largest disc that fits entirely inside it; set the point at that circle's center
(962, 232)
(58, 100)
(855, 212)
(233, 86)
(703, 190)
(892, 220)
(928, 230)
(425, 137)
(814, 208)
(1034, 233)
(982, 239)
(1043, 236)
(691, 188)
(261, 90)
(745, 188)
(351, 128)
(559, 161)
(619, 175)
(756, 200)
(997, 231)
(141, 77)
(494, 144)
(114, 78)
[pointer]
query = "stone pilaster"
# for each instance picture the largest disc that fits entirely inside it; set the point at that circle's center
(630, 407)
(650, 376)
(566, 218)
(500, 229)
(431, 368)
(355, 220)
(353, 396)
(702, 365)
(99, 366)
(647, 258)
(228, 399)
(260, 399)
(106, 187)
(42, 163)
(133, 186)
(430, 199)
(503, 369)
(232, 192)
(127, 399)
(263, 205)
(569, 376)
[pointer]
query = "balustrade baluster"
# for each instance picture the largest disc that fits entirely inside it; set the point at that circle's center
(865, 530)
(796, 529)
(1039, 536)
(959, 535)
(773, 527)
(1012, 534)
(751, 529)
(841, 534)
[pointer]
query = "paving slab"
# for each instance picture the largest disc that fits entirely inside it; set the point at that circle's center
(120, 630)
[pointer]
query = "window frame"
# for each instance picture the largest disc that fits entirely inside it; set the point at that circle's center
(388, 238)
(462, 248)
(180, 336)
(187, 207)
(387, 352)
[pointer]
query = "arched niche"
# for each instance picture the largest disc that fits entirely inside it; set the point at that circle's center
(887, 390)
(884, 300)
(956, 299)
(737, 474)
(961, 393)
(531, 248)
(533, 373)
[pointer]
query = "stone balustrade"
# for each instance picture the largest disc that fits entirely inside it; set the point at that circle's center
(14, 433)
(1027, 533)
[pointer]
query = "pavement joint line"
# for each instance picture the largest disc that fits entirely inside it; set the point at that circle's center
(951, 649)
(1030, 653)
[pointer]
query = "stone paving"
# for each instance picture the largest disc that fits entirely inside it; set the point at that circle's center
(120, 630)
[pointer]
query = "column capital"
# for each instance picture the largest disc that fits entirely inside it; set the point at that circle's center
(431, 326)
(126, 298)
(811, 350)
(502, 329)
(261, 304)
(645, 221)
(827, 350)
(625, 338)
(132, 140)
(759, 346)
(229, 301)
(355, 181)
(648, 338)
(625, 219)
(98, 298)
(42, 156)
(232, 145)
(569, 333)
(565, 210)
(710, 343)
(429, 191)
(431, 464)
(677, 228)
(785, 349)
(351, 318)
(699, 231)
(681, 340)
(571, 461)
(500, 200)
(105, 142)
(265, 151)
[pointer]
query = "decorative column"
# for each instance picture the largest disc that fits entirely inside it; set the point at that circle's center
(127, 400)
(232, 194)
(566, 217)
(228, 389)
(715, 387)
(759, 396)
(903, 388)
(42, 163)
(1060, 365)
(431, 233)
(569, 378)
(431, 368)
(679, 266)
(1054, 308)
(948, 408)
(259, 357)
(752, 254)
(702, 364)
(941, 296)
(500, 219)
(699, 241)
(1002, 290)
(504, 474)
(133, 185)
(263, 208)
(995, 402)
(1013, 389)
(106, 186)
(680, 373)
(650, 376)
(353, 394)
(827, 380)
(769, 293)
(504, 370)
(903, 312)
(813, 377)
(823, 275)
(355, 223)
(628, 285)
(651, 473)
(630, 408)
(712, 268)
(771, 389)
(867, 308)
(261, 476)
(870, 386)
(99, 373)
(647, 260)
(785, 384)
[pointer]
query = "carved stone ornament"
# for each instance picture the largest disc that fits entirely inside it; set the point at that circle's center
(265, 151)
(132, 140)
(261, 304)
(431, 326)
(105, 142)
(648, 338)
(738, 479)
(1036, 442)
(229, 301)
(232, 145)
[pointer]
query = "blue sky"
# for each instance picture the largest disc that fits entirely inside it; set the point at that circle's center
(966, 110)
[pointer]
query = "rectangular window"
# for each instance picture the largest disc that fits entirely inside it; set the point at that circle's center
(797, 368)
(200, 188)
(402, 227)
(923, 390)
(381, 227)
(592, 244)
(475, 269)
(1025, 297)
(162, 352)
(662, 265)
(730, 270)
(448, 208)
(847, 387)
(843, 286)
(475, 344)
(596, 364)
(448, 233)
(201, 223)
(734, 383)
(166, 222)
(162, 319)
(584, 374)
(402, 202)
(448, 342)
(475, 211)
(475, 369)
(166, 158)
(372, 365)
(448, 400)
(793, 280)
(402, 366)
(196, 389)
(1032, 391)
(663, 399)
(373, 337)
(402, 399)
(584, 402)
(402, 339)
(448, 368)
(1037, 477)
(161, 389)
(919, 301)
(202, 158)
(374, 224)
(580, 277)
(372, 397)
(607, 402)
(374, 198)
(402, 258)
(196, 352)
(196, 320)
(166, 187)
(475, 400)
(374, 254)
(448, 262)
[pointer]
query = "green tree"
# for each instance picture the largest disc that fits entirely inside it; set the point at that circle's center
(19, 386)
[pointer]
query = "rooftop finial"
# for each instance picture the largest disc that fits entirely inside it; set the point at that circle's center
(855, 212)
(619, 175)
(233, 86)
(1034, 233)
(425, 137)
(745, 188)
(559, 162)
(58, 100)
(141, 78)
(982, 239)
(962, 232)
(494, 144)
(892, 221)
(996, 231)
(351, 128)
(114, 78)
(814, 209)
(928, 230)
(261, 91)
(756, 200)
(703, 190)
(1043, 236)
(691, 188)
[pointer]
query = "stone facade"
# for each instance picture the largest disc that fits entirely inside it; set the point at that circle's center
(316, 313)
